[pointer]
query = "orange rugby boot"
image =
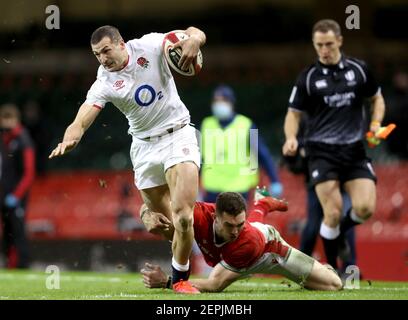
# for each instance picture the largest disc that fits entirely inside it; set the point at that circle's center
(185, 287)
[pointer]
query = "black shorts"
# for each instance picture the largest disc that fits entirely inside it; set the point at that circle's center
(338, 162)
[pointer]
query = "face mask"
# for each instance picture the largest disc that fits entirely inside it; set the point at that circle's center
(222, 110)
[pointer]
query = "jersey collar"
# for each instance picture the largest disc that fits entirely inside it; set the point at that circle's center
(326, 69)
(218, 245)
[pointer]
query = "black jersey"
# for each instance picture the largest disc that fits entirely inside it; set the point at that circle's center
(333, 98)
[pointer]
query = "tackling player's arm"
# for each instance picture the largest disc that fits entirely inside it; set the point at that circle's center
(291, 128)
(73, 134)
(190, 46)
(217, 281)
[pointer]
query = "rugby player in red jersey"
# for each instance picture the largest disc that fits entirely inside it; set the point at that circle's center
(236, 247)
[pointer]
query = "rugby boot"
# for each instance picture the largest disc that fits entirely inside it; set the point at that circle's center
(185, 287)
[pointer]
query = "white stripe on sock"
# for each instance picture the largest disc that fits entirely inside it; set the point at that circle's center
(328, 232)
(178, 266)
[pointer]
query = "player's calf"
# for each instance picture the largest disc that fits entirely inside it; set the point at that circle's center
(323, 277)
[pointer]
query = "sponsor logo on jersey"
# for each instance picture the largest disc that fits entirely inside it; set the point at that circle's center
(320, 84)
(350, 77)
(119, 84)
(145, 95)
(143, 62)
(186, 151)
(339, 99)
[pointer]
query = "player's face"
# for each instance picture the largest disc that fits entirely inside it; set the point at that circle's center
(228, 227)
(327, 46)
(8, 121)
(112, 56)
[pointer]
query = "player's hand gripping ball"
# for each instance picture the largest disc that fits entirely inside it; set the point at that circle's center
(173, 55)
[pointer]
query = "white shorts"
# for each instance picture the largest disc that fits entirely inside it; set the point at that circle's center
(152, 158)
(295, 266)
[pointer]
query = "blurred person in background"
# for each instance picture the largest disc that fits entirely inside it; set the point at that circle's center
(136, 78)
(16, 177)
(227, 148)
(40, 131)
(332, 92)
(397, 112)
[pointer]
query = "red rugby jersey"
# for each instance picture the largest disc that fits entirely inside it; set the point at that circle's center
(240, 253)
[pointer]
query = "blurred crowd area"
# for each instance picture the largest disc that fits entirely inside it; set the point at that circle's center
(49, 101)
(257, 47)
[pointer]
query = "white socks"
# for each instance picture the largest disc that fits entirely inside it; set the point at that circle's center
(328, 232)
(178, 266)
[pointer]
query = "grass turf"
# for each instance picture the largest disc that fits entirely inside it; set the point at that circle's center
(100, 286)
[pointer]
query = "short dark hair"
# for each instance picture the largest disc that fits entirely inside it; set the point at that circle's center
(106, 31)
(232, 203)
(326, 25)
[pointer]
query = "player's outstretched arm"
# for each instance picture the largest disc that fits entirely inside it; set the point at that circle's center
(154, 276)
(73, 134)
(218, 280)
(156, 222)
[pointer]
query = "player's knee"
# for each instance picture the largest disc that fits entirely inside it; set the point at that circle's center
(183, 220)
(332, 218)
(364, 210)
(335, 283)
(331, 279)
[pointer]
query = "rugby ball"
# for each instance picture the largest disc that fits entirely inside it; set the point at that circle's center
(173, 55)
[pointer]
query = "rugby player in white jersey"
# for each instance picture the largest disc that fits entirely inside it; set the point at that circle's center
(135, 77)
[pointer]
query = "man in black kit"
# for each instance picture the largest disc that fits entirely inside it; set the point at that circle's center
(332, 93)
(17, 171)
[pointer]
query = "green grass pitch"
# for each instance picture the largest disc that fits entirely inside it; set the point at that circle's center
(100, 286)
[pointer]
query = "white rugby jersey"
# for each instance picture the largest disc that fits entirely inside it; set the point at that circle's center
(144, 91)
